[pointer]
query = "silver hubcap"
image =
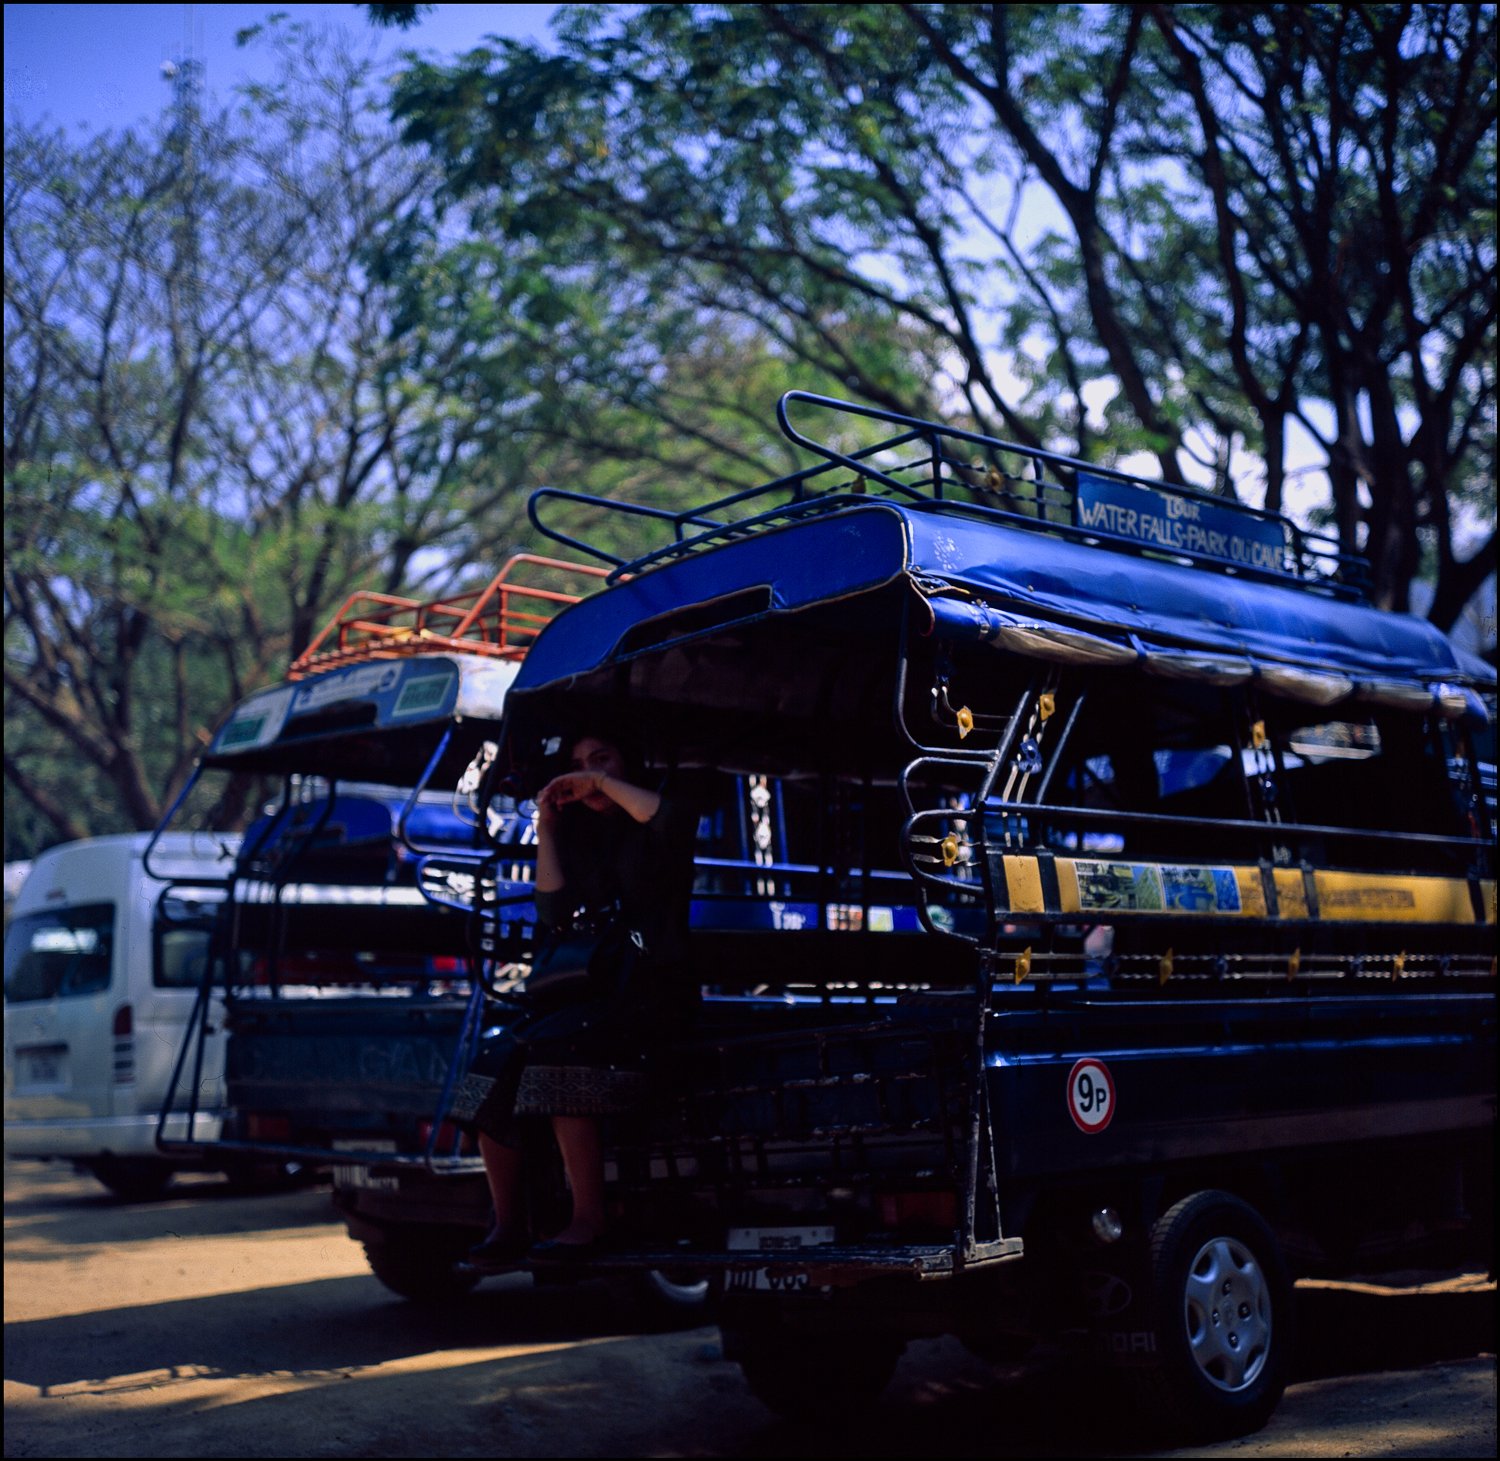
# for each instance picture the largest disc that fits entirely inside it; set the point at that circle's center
(1228, 1313)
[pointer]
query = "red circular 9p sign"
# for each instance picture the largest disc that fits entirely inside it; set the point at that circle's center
(1091, 1095)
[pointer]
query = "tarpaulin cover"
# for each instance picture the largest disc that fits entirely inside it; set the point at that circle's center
(1106, 592)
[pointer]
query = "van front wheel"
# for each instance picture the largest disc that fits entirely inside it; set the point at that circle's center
(1222, 1311)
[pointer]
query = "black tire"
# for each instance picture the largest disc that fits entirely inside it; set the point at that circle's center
(814, 1376)
(250, 1178)
(1221, 1306)
(423, 1273)
(999, 1349)
(134, 1179)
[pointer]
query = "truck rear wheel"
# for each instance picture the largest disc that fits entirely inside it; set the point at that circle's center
(1222, 1311)
(664, 1299)
(800, 1376)
(134, 1179)
(424, 1272)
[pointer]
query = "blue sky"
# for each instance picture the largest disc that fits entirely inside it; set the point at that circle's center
(101, 64)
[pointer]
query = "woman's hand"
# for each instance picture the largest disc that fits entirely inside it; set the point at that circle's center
(571, 786)
(600, 790)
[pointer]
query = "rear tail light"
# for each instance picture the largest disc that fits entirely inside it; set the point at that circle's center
(124, 1047)
(919, 1209)
(268, 1128)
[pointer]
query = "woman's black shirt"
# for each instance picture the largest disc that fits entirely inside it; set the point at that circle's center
(647, 867)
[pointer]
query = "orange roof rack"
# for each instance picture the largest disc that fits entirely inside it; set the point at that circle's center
(485, 621)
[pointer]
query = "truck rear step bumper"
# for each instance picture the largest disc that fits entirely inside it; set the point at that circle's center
(830, 1265)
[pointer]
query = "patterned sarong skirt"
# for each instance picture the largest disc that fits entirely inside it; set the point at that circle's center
(581, 1060)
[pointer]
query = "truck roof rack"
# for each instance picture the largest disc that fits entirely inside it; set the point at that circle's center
(931, 467)
(500, 620)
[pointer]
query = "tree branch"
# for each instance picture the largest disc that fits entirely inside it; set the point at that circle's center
(70, 827)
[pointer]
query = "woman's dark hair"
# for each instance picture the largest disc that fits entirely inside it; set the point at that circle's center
(627, 745)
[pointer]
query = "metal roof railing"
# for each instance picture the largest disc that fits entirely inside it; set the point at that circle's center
(926, 466)
(501, 620)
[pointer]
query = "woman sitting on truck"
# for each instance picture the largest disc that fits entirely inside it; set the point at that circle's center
(616, 857)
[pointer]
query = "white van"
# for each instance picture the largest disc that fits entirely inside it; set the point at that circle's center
(100, 979)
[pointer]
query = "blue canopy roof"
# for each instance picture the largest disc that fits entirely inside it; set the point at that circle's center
(1137, 602)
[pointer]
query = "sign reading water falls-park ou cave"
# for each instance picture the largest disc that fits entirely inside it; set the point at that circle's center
(1180, 524)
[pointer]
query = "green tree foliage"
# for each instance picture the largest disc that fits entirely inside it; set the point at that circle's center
(1268, 211)
(1349, 154)
(215, 428)
(250, 368)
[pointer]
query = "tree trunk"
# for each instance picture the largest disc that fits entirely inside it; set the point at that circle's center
(1273, 431)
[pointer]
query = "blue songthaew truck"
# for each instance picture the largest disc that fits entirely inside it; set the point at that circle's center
(338, 991)
(1110, 943)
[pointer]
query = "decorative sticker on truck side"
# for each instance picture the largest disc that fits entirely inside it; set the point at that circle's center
(1200, 889)
(1147, 887)
(1091, 1095)
(1157, 888)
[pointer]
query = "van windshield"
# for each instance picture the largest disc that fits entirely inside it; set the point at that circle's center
(60, 953)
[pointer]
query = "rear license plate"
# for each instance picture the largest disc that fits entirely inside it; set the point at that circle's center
(42, 1065)
(352, 1176)
(780, 1242)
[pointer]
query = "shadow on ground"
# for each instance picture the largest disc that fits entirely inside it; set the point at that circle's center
(1055, 1405)
(335, 1324)
(1347, 1332)
(586, 1375)
(63, 1208)
(943, 1401)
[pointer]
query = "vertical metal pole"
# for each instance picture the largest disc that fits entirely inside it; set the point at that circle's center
(283, 875)
(823, 851)
(786, 853)
(198, 1003)
(472, 1020)
(1002, 751)
(741, 791)
(420, 787)
(976, 1097)
(864, 855)
(1057, 750)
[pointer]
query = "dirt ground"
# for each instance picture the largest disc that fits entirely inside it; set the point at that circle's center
(210, 1324)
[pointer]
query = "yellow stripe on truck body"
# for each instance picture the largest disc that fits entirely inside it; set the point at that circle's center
(1376, 898)
(1291, 892)
(1023, 879)
(1096, 886)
